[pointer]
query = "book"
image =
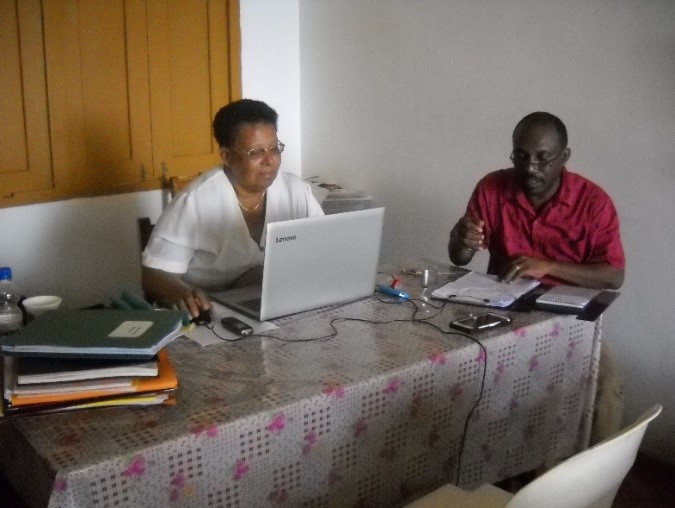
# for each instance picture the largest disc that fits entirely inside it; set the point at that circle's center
(486, 290)
(58, 370)
(166, 381)
(566, 297)
(95, 333)
(117, 383)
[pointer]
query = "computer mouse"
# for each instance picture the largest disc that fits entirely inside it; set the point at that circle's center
(204, 317)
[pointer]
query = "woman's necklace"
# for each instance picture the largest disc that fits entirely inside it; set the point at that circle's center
(253, 209)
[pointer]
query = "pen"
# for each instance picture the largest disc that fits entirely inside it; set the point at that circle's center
(381, 288)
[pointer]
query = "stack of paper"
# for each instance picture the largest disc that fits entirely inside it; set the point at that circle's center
(90, 358)
(112, 390)
(485, 290)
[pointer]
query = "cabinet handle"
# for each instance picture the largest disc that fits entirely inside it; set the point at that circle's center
(165, 170)
(144, 173)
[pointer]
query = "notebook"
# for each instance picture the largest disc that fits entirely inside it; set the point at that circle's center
(567, 297)
(95, 333)
(484, 290)
(313, 262)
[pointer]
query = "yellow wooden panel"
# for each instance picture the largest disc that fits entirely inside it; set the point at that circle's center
(25, 158)
(79, 114)
(13, 153)
(189, 81)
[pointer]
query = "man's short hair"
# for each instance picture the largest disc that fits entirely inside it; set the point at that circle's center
(546, 119)
(230, 118)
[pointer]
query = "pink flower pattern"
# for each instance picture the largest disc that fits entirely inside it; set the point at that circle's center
(521, 333)
(438, 359)
(393, 386)
(310, 441)
(334, 390)
(534, 363)
(241, 469)
(277, 424)
(135, 468)
(60, 484)
(499, 371)
(360, 427)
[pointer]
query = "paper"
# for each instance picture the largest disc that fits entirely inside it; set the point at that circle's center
(204, 335)
(486, 290)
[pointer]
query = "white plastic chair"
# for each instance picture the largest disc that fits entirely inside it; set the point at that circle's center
(589, 479)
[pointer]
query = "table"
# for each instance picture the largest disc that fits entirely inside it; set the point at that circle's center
(364, 418)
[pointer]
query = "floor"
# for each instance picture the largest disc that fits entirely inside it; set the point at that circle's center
(649, 484)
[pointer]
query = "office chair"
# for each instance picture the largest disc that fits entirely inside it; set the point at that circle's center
(589, 479)
(175, 184)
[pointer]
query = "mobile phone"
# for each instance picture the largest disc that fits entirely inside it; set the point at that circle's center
(480, 322)
(236, 326)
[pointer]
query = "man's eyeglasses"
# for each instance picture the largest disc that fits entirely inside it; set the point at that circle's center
(521, 159)
(259, 153)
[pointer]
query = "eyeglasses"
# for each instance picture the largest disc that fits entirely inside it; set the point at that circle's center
(259, 153)
(520, 159)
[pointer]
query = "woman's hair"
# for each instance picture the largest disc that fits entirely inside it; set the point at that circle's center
(230, 118)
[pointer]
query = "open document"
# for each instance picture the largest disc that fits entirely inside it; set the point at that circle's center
(486, 290)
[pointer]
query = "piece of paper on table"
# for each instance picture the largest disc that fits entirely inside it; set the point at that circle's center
(204, 336)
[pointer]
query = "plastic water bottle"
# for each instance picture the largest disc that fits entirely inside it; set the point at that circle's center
(11, 317)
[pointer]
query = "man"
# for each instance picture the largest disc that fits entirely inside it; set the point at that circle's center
(539, 220)
(210, 236)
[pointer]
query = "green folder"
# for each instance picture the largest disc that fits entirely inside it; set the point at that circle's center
(99, 333)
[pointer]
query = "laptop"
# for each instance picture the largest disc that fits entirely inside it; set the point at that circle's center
(313, 262)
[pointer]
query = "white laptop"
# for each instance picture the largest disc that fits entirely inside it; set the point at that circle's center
(313, 262)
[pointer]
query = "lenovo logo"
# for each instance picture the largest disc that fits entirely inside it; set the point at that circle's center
(285, 238)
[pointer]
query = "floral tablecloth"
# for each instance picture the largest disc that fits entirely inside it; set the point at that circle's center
(363, 418)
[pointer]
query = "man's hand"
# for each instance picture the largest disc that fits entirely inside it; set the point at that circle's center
(466, 238)
(526, 266)
(589, 275)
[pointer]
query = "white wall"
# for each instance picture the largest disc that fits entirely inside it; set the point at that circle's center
(415, 101)
(87, 250)
(271, 67)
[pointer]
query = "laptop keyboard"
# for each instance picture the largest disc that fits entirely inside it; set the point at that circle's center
(253, 304)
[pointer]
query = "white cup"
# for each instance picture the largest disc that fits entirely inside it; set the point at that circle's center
(36, 305)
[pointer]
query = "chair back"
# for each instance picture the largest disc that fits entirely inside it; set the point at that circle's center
(589, 479)
(178, 183)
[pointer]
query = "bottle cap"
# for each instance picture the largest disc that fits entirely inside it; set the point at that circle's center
(5, 273)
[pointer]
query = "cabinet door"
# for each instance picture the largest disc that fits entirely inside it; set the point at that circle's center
(25, 142)
(98, 93)
(189, 81)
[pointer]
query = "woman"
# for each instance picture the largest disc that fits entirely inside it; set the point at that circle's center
(211, 235)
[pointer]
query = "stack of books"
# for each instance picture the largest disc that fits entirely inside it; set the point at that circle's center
(68, 359)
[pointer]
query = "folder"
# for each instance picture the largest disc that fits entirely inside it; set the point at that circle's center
(165, 382)
(97, 333)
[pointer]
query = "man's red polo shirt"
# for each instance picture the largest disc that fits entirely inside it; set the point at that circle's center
(578, 224)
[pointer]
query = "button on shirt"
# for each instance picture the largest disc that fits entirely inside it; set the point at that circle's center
(579, 224)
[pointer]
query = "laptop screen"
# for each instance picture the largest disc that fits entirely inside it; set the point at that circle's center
(320, 261)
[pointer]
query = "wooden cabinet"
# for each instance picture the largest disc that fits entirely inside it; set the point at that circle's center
(109, 96)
